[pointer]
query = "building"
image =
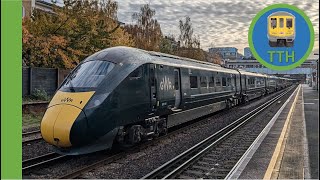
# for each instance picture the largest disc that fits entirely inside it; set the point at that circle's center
(29, 5)
(225, 52)
(247, 53)
(305, 72)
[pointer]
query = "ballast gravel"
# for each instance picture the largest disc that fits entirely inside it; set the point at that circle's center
(137, 164)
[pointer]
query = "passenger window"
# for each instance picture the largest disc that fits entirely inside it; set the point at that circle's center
(136, 74)
(281, 22)
(251, 82)
(218, 82)
(211, 81)
(176, 80)
(224, 82)
(203, 81)
(193, 82)
(289, 23)
(228, 82)
(273, 22)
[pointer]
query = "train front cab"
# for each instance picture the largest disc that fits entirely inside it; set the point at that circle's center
(67, 122)
(281, 29)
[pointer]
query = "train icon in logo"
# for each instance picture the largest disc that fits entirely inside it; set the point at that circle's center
(281, 29)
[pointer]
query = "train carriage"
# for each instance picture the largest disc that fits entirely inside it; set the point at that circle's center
(253, 85)
(124, 95)
(272, 84)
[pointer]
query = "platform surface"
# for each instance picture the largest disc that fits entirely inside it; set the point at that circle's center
(289, 150)
(311, 111)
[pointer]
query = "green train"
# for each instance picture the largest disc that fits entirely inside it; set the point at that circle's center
(124, 95)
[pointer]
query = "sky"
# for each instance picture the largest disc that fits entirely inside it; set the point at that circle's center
(217, 22)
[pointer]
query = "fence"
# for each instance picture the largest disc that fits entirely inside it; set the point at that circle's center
(47, 79)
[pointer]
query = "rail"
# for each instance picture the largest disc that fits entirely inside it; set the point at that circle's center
(172, 168)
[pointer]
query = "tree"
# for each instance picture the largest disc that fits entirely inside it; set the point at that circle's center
(71, 33)
(190, 44)
(186, 33)
(168, 44)
(213, 58)
(147, 31)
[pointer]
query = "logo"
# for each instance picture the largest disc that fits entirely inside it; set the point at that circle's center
(66, 100)
(281, 37)
(166, 84)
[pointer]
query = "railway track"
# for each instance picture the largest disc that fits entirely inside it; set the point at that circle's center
(35, 103)
(199, 161)
(39, 107)
(42, 160)
(31, 136)
(77, 173)
(30, 133)
(52, 158)
(105, 160)
(31, 140)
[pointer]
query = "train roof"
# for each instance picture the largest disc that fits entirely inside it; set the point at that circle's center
(281, 13)
(138, 57)
(252, 73)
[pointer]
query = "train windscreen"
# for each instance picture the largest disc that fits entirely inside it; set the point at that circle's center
(289, 23)
(273, 22)
(88, 75)
(281, 22)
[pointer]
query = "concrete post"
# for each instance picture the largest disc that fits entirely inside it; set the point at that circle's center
(30, 80)
(317, 75)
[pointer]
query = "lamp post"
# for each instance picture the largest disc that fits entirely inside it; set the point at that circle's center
(317, 72)
(311, 75)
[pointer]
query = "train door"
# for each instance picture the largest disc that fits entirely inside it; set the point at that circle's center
(177, 89)
(244, 83)
(153, 88)
(234, 82)
(281, 27)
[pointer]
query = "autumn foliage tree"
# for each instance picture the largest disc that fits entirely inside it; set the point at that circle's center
(71, 33)
(81, 27)
(189, 43)
(147, 31)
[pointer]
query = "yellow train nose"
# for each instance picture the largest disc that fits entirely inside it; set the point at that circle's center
(61, 114)
(57, 122)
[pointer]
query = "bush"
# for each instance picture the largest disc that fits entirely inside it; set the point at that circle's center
(40, 94)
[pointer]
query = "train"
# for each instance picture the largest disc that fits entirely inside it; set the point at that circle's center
(281, 29)
(123, 95)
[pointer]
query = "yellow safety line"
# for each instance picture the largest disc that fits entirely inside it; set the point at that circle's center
(276, 152)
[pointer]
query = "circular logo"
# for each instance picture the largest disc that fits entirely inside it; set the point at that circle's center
(281, 37)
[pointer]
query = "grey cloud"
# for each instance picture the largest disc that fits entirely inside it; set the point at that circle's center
(222, 22)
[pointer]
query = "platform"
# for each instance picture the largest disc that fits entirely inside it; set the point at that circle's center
(288, 147)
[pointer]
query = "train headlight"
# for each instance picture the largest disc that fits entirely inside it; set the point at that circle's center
(97, 100)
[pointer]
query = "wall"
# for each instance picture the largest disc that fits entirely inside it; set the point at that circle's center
(48, 79)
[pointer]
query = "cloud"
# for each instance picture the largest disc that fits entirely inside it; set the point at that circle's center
(217, 22)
